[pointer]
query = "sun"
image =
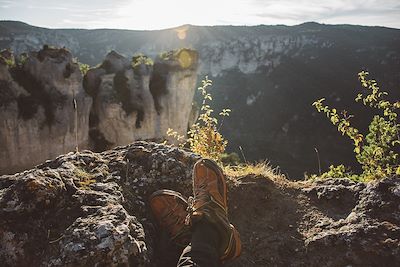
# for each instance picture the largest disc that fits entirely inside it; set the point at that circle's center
(161, 14)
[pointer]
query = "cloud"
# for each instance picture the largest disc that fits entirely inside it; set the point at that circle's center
(156, 14)
(333, 11)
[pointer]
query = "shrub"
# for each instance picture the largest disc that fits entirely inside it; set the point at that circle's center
(84, 68)
(10, 62)
(204, 137)
(139, 59)
(21, 59)
(376, 150)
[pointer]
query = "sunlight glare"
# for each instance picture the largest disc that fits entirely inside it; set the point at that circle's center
(185, 59)
(181, 32)
(158, 14)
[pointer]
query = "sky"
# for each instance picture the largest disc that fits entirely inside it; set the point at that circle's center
(161, 14)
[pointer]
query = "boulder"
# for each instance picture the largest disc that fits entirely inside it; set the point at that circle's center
(88, 209)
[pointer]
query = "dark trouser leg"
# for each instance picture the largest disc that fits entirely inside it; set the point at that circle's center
(203, 249)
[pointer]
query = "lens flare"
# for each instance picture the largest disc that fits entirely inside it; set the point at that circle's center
(185, 59)
(181, 32)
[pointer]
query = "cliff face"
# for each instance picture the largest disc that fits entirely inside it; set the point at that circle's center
(46, 108)
(144, 100)
(249, 55)
(88, 209)
(38, 116)
(21, 37)
(221, 48)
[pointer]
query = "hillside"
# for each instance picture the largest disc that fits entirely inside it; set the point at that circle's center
(268, 76)
(90, 209)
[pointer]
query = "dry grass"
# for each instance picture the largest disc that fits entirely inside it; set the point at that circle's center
(257, 169)
(85, 178)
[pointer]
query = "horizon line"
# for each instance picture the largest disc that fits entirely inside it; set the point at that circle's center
(194, 25)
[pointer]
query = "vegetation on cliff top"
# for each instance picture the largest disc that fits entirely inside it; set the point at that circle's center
(377, 150)
(140, 59)
(204, 138)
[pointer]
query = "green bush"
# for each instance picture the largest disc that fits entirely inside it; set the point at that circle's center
(139, 59)
(10, 62)
(376, 151)
(84, 68)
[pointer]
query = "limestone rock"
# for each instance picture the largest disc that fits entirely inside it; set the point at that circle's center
(90, 209)
(85, 209)
(46, 108)
(38, 119)
(140, 101)
(115, 62)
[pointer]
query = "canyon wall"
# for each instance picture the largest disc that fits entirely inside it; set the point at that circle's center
(38, 119)
(47, 108)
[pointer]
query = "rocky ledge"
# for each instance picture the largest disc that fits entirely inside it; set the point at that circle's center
(90, 209)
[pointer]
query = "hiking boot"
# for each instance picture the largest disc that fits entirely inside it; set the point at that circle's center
(170, 210)
(210, 203)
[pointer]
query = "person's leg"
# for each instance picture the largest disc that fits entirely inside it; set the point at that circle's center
(210, 203)
(203, 249)
(214, 239)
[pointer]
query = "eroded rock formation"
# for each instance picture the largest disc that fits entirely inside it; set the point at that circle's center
(88, 209)
(46, 108)
(138, 100)
(44, 111)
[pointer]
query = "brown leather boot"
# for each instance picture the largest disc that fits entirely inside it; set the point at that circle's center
(210, 203)
(170, 210)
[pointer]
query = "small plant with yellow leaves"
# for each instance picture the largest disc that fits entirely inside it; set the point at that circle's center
(204, 137)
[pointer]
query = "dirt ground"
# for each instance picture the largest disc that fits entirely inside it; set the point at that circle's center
(267, 215)
(273, 218)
